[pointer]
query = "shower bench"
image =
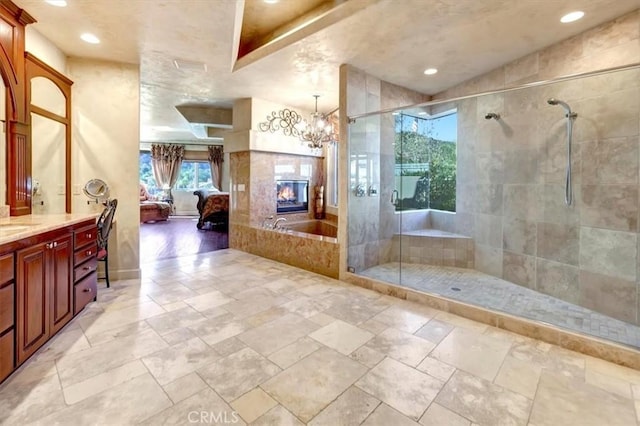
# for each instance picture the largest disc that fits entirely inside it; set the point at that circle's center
(434, 247)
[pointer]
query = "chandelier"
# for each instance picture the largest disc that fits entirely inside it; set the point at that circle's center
(314, 132)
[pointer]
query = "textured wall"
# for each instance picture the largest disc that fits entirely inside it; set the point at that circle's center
(105, 145)
(105, 141)
(44, 49)
(510, 194)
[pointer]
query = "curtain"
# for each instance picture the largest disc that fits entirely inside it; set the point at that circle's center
(166, 161)
(216, 158)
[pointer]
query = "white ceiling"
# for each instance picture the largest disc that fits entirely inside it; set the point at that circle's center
(394, 40)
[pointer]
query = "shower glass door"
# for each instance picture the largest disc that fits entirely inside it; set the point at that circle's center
(373, 225)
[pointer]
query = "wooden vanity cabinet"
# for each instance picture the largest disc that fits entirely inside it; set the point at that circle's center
(45, 280)
(44, 292)
(85, 276)
(7, 315)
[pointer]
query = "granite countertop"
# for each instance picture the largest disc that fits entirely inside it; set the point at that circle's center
(15, 228)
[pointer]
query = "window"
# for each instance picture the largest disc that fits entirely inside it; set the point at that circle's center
(425, 153)
(194, 175)
(146, 173)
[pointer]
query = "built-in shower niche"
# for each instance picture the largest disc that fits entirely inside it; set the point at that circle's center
(292, 196)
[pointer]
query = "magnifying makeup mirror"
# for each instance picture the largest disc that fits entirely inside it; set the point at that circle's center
(97, 190)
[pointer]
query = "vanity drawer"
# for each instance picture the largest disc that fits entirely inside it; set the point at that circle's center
(84, 253)
(84, 292)
(85, 269)
(85, 236)
(6, 268)
(6, 354)
(6, 307)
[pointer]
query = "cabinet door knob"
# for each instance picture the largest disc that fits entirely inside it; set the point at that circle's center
(88, 253)
(55, 244)
(88, 235)
(87, 290)
(49, 245)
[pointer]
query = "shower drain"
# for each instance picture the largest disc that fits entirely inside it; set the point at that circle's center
(455, 289)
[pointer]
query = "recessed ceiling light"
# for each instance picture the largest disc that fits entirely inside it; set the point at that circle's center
(430, 71)
(58, 3)
(422, 113)
(90, 38)
(271, 1)
(573, 16)
(395, 113)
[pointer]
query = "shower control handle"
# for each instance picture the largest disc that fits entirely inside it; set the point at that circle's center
(394, 197)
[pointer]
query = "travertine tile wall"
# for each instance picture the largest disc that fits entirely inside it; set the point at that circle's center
(433, 250)
(312, 254)
(253, 187)
(371, 221)
(266, 168)
(255, 163)
(510, 194)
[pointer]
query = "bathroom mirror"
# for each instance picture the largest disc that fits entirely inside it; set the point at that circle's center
(97, 190)
(49, 101)
(47, 165)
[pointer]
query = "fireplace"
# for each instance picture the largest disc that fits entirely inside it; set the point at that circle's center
(292, 196)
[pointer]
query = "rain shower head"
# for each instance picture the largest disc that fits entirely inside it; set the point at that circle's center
(567, 108)
(491, 115)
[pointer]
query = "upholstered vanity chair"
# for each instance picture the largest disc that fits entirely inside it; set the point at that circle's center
(105, 222)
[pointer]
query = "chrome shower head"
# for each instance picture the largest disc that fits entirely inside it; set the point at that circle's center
(491, 115)
(567, 108)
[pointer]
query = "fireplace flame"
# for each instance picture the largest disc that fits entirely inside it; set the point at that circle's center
(286, 194)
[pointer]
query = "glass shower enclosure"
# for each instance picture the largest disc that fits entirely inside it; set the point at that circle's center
(523, 201)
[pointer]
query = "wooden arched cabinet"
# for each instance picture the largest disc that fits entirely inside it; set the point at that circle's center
(18, 70)
(12, 67)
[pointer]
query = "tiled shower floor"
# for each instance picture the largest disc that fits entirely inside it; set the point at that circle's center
(497, 294)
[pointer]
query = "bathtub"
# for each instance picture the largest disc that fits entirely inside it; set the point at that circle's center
(298, 244)
(314, 227)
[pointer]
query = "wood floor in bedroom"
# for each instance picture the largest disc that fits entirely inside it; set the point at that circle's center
(177, 237)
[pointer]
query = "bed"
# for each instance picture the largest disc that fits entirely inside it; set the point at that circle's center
(213, 208)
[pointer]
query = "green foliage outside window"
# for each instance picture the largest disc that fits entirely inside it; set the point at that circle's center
(146, 173)
(193, 175)
(433, 160)
(442, 175)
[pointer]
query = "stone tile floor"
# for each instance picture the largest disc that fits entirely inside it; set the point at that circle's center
(231, 338)
(497, 294)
